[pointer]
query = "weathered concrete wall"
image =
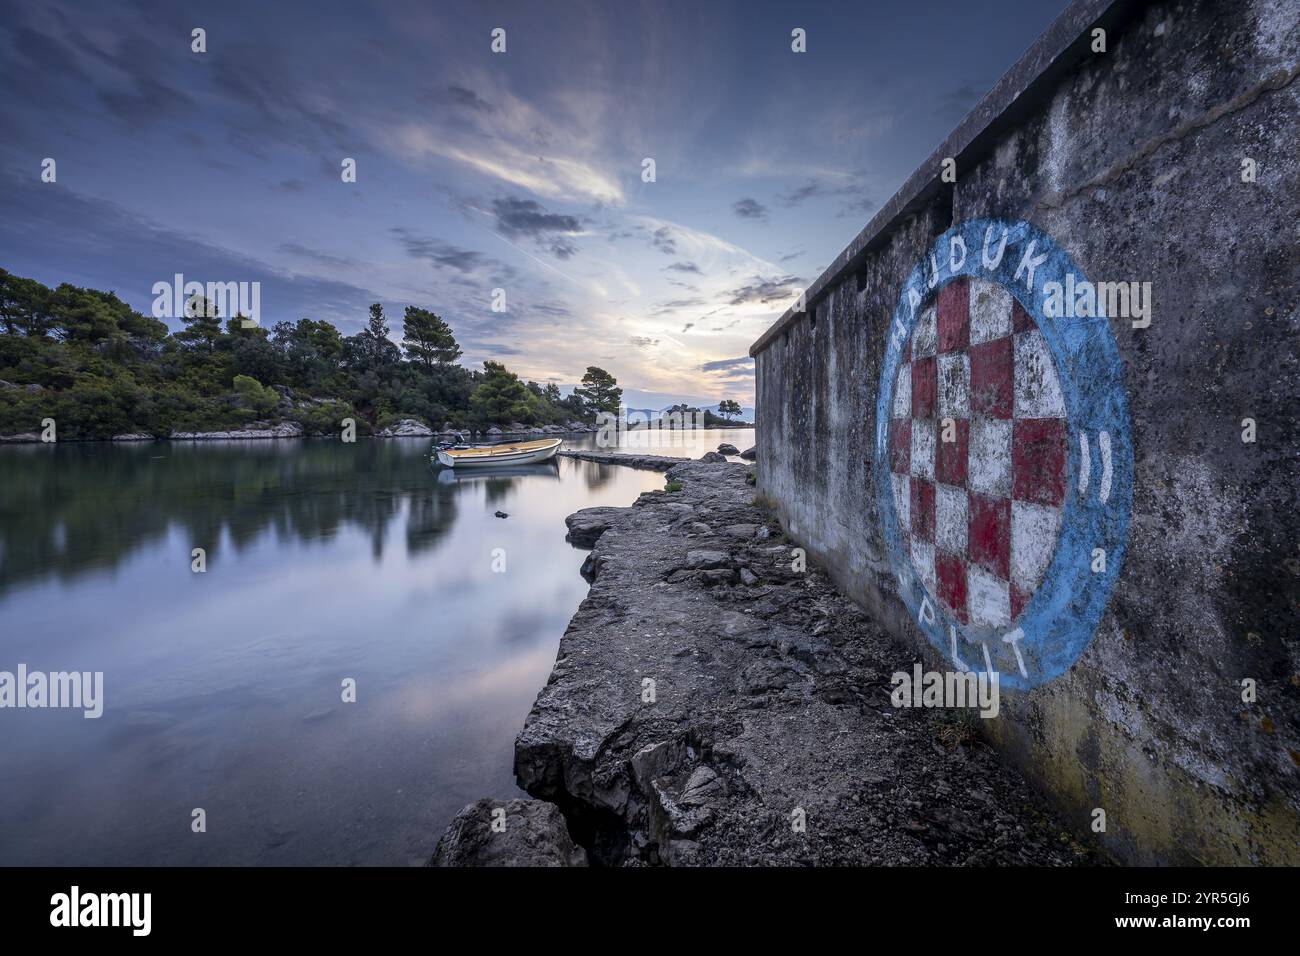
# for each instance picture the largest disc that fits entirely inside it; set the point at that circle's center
(1130, 162)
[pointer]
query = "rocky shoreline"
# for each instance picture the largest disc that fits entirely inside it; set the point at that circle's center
(405, 428)
(649, 462)
(713, 704)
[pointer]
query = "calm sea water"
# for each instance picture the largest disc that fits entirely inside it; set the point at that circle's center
(222, 690)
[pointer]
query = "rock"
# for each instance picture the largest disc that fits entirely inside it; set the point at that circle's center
(702, 785)
(754, 713)
(650, 462)
(494, 430)
(750, 453)
(20, 437)
(697, 560)
(535, 834)
(133, 436)
(406, 428)
(747, 577)
(726, 448)
(500, 514)
(34, 389)
(712, 457)
(745, 530)
(699, 527)
(716, 576)
(253, 430)
(7, 386)
(587, 525)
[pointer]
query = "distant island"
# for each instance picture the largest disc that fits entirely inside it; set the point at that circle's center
(100, 369)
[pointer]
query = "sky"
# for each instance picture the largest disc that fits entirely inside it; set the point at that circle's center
(476, 170)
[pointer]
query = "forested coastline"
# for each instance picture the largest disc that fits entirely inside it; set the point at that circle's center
(99, 368)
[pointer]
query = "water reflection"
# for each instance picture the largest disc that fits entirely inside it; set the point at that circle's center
(222, 689)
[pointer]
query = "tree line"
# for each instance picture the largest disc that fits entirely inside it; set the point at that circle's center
(99, 368)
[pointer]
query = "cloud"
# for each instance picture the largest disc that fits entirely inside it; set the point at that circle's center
(643, 341)
(818, 188)
(58, 235)
(662, 239)
(683, 267)
(527, 218)
(749, 209)
(763, 291)
(315, 255)
(727, 365)
(553, 177)
(666, 308)
(467, 99)
(441, 254)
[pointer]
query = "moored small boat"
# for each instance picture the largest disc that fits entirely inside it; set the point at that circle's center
(493, 456)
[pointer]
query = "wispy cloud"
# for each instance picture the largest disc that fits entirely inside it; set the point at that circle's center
(524, 217)
(748, 208)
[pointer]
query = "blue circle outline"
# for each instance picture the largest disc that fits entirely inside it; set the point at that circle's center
(1063, 613)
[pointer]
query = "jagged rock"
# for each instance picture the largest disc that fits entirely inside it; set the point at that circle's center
(726, 448)
(133, 436)
(712, 457)
(697, 560)
(587, 525)
(782, 717)
(744, 530)
(750, 453)
(702, 785)
(253, 430)
(406, 428)
(535, 834)
(715, 576)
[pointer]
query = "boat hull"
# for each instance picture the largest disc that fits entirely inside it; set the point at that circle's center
(527, 453)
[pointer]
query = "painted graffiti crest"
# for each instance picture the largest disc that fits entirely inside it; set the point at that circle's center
(1007, 539)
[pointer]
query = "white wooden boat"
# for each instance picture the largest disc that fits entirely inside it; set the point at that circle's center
(493, 456)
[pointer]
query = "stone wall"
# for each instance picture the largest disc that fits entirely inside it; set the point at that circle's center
(1122, 684)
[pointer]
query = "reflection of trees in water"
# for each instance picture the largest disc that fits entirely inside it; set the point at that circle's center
(597, 476)
(432, 514)
(75, 508)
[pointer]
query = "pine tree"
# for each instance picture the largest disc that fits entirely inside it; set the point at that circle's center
(599, 391)
(428, 339)
(500, 397)
(202, 324)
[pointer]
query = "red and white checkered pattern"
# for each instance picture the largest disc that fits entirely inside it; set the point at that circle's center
(980, 514)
